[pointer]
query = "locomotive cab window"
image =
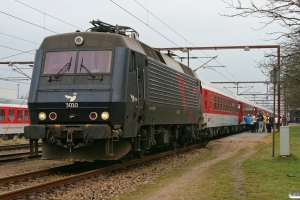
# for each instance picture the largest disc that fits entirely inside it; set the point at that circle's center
(62, 62)
(2, 114)
(94, 62)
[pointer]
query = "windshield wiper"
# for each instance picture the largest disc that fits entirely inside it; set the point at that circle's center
(84, 67)
(64, 69)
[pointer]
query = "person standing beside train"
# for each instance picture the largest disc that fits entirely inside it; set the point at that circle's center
(255, 122)
(269, 123)
(283, 120)
(251, 124)
(260, 123)
(265, 119)
(247, 119)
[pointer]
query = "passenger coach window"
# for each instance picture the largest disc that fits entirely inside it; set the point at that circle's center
(20, 115)
(60, 62)
(26, 115)
(11, 114)
(205, 100)
(210, 101)
(94, 61)
(221, 103)
(215, 102)
(2, 114)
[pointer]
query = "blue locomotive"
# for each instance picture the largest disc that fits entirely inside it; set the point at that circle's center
(103, 94)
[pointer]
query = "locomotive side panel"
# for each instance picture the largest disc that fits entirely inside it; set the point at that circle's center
(127, 86)
(172, 96)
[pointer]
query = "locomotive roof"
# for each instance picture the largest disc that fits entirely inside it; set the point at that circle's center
(94, 40)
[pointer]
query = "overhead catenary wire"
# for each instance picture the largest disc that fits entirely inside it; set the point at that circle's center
(155, 30)
(21, 72)
(16, 49)
(77, 27)
(19, 38)
(48, 15)
(144, 23)
(28, 22)
(17, 54)
(185, 40)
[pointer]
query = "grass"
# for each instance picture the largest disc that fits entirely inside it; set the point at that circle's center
(273, 177)
(15, 140)
(265, 177)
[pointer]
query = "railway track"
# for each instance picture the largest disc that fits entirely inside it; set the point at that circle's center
(18, 156)
(15, 147)
(77, 177)
(9, 157)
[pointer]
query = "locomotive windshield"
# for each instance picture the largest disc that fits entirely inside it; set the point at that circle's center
(56, 61)
(90, 62)
(94, 61)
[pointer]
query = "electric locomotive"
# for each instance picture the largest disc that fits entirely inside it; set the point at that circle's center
(103, 94)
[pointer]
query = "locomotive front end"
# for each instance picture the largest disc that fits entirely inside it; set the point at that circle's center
(71, 99)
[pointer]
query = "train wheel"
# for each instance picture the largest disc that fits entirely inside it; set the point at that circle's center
(141, 153)
(143, 149)
(199, 137)
(5, 137)
(183, 143)
(173, 144)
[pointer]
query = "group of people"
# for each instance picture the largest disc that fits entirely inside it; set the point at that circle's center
(259, 123)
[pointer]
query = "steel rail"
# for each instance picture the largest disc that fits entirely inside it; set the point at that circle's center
(73, 178)
(17, 156)
(35, 174)
(17, 146)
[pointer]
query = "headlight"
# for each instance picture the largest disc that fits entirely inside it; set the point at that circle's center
(105, 115)
(78, 40)
(42, 116)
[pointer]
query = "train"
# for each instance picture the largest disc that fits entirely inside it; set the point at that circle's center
(14, 116)
(103, 95)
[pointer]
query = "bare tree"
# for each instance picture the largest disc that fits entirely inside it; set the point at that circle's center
(287, 14)
(284, 12)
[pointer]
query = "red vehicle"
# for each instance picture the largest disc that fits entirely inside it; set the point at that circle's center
(13, 117)
(223, 111)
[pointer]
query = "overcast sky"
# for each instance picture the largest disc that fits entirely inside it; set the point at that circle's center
(192, 23)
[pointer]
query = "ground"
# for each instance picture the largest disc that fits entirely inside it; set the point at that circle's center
(222, 150)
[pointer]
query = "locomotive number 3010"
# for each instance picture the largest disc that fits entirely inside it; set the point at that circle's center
(71, 105)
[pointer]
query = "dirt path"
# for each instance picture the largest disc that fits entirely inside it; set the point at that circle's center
(223, 150)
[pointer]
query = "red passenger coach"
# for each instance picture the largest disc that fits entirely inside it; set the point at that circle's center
(13, 118)
(221, 110)
(224, 112)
